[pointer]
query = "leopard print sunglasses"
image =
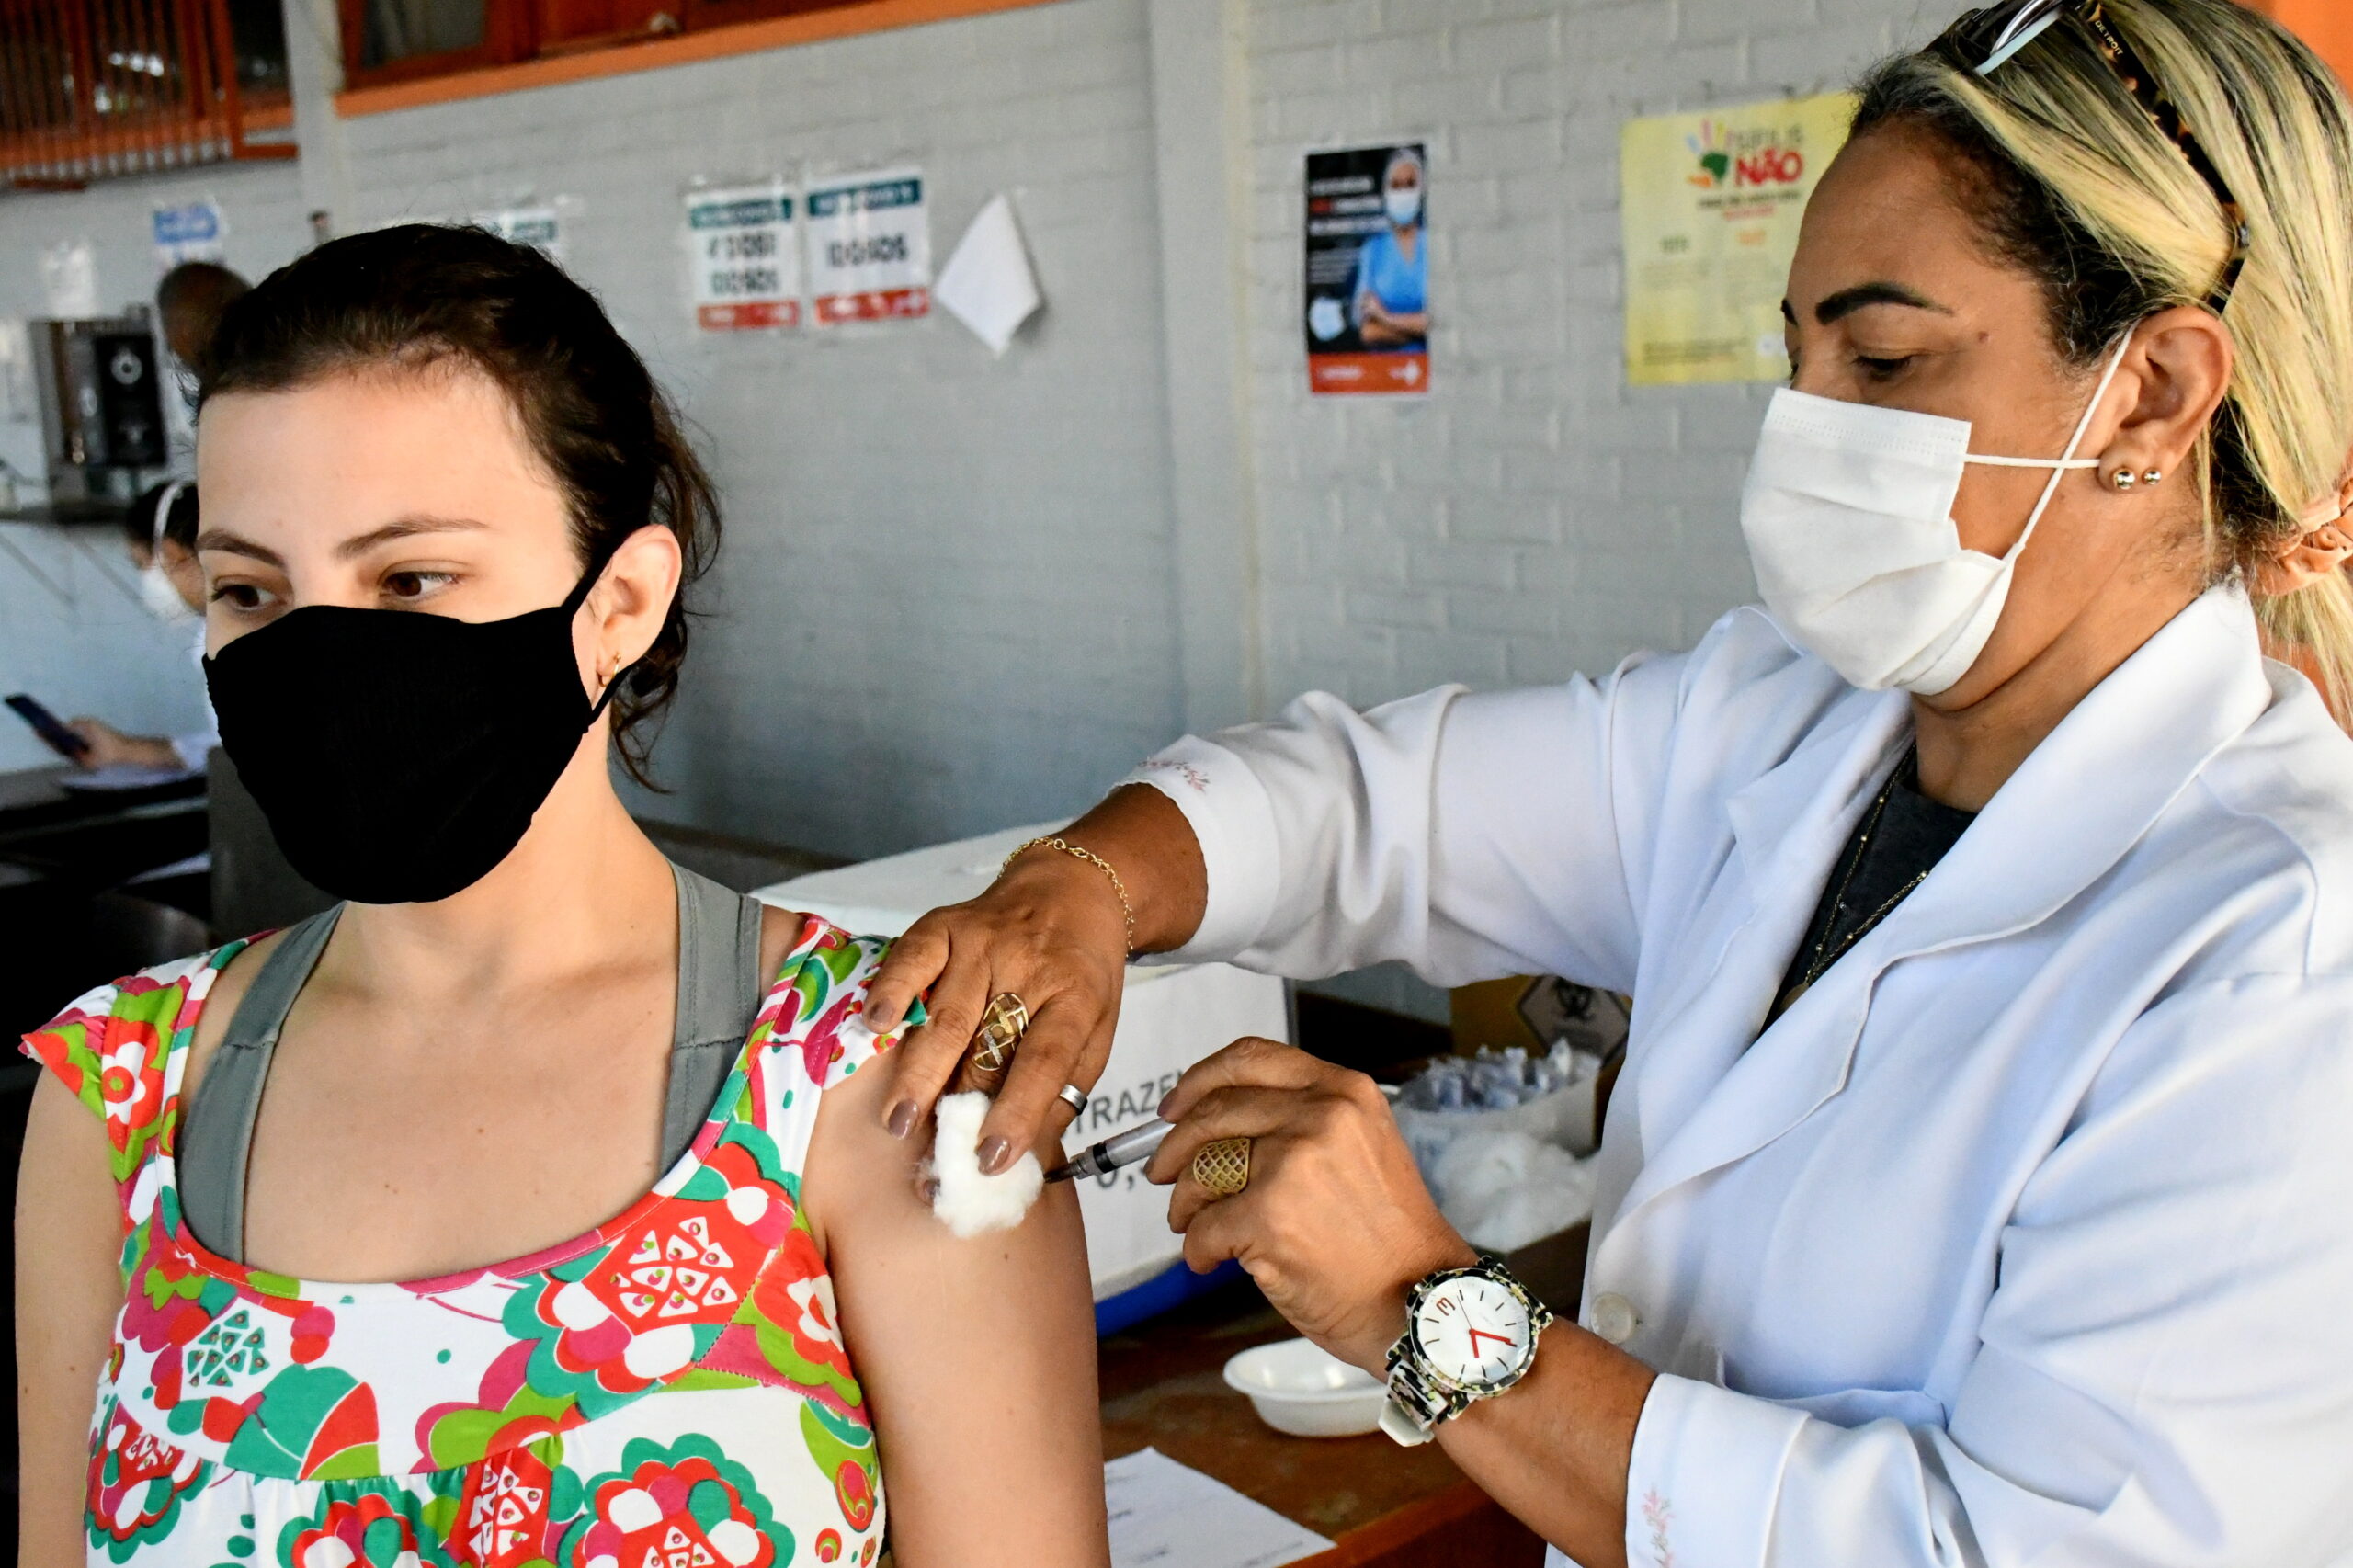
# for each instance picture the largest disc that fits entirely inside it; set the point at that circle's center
(1984, 41)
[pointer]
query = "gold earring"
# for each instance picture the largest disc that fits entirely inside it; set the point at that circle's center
(2123, 479)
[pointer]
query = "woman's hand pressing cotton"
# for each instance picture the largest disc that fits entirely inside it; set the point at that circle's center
(968, 1203)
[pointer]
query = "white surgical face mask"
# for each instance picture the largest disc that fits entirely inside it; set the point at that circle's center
(1405, 205)
(1848, 515)
(156, 591)
(159, 597)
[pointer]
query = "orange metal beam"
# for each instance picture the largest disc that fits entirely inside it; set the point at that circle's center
(678, 49)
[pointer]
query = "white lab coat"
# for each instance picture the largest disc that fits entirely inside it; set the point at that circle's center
(2026, 1235)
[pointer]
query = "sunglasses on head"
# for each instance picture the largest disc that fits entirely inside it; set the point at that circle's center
(1984, 41)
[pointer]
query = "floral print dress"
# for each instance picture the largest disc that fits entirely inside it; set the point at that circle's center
(669, 1391)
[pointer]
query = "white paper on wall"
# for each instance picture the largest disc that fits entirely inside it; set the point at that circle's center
(869, 247)
(744, 257)
(541, 227)
(192, 231)
(69, 278)
(19, 403)
(988, 283)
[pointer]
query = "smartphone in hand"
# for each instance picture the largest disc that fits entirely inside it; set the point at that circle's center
(49, 728)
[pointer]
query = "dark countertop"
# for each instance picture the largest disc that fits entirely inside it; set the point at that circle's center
(69, 514)
(36, 797)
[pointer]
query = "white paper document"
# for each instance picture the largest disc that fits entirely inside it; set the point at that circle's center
(988, 284)
(1166, 1514)
(126, 775)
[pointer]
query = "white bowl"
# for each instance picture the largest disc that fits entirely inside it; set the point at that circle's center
(1298, 1387)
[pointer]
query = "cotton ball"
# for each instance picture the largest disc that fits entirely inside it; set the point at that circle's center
(1505, 1189)
(968, 1203)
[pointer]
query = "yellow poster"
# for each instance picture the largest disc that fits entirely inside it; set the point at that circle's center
(1711, 204)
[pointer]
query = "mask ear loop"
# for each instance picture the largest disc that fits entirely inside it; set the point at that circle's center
(164, 504)
(571, 606)
(2059, 467)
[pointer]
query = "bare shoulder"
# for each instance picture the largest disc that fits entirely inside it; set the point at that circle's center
(856, 1171)
(779, 928)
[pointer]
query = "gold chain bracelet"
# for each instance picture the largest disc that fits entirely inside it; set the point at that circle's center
(1127, 910)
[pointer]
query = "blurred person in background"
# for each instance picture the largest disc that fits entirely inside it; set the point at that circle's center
(188, 303)
(160, 534)
(160, 531)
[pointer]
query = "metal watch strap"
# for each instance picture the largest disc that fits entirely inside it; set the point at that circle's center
(1417, 1402)
(1414, 1408)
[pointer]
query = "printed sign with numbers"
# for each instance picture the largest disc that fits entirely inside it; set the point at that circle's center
(539, 227)
(870, 249)
(745, 258)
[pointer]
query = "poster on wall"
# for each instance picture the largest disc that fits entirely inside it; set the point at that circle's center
(1368, 272)
(541, 227)
(869, 247)
(1712, 205)
(745, 257)
(192, 231)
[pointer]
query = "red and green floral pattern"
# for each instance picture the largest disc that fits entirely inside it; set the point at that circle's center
(612, 1402)
(687, 1505)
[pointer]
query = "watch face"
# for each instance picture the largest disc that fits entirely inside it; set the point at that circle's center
(1473, 1330)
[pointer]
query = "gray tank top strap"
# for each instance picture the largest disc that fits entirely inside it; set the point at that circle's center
(216, 1136)
(719, 989)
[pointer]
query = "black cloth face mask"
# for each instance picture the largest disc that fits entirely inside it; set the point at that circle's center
(400, 755)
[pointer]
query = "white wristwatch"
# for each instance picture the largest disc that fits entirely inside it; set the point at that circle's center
(1469, 1334)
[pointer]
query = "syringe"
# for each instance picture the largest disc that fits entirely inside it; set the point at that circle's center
(1128, 1148)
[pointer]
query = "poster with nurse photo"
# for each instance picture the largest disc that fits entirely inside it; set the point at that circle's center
(1368, 272)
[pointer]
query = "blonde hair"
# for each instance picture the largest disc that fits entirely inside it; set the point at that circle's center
(2079, 187)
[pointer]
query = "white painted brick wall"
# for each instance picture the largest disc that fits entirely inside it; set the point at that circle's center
(1534, 516)
(946, 599)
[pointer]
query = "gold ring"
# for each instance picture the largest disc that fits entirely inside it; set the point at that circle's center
(1001, 1029)
(1222, 1166)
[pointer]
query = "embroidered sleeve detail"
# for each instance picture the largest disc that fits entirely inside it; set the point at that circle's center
(1193, 777)
(1658, 1513)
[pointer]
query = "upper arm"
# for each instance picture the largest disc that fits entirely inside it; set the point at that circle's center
(1543, 810)
(1470, 837)
(977, 1356)
(69, 1288)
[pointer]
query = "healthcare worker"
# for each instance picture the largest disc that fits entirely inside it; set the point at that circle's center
(1979, 1189)
(1394, 263)
(160, 533)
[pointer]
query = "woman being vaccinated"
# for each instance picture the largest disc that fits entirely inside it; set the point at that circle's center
(533, 1205)
(1978, 1189)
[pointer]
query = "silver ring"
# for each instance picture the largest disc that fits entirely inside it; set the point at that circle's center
(1074, 1097)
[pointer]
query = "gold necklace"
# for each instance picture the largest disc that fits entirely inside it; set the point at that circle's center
(1823, 960)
